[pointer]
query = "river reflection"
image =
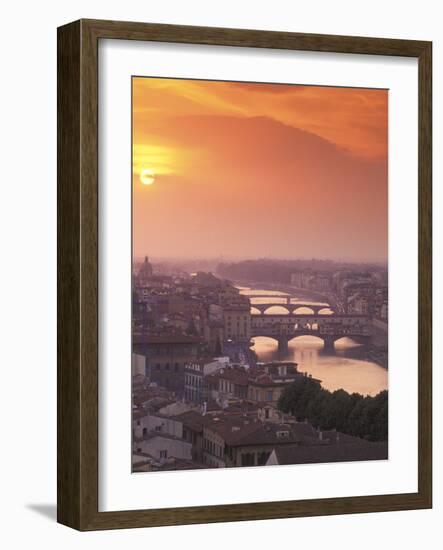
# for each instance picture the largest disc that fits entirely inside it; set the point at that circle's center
(346, 367)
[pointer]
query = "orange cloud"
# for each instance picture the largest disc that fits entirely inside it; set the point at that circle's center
(247, 170)
(354, 119)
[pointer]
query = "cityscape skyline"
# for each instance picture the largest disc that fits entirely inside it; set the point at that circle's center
(223, 257)
(259, 277)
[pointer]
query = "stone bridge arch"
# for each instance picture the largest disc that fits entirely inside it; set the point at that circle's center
(330, 328)
(325, 310)
(264, 335)
(293, 309)
(264, 308)
(313, 334)
(312, 310)
(360, 340)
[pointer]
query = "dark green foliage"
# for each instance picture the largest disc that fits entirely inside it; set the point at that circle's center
(354, 414)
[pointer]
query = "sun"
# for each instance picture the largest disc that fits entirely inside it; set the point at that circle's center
(147, 176)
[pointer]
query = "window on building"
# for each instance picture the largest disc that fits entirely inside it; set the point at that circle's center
(145, 431)
(164, 453)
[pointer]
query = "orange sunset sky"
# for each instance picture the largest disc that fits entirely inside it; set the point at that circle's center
(244, 170)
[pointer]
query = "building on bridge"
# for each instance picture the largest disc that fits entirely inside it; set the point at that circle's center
(329, 328)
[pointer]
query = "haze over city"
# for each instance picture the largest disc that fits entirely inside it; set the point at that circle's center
(251, 170)
(259, 278)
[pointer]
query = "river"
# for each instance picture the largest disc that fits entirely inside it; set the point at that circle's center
(346, 367)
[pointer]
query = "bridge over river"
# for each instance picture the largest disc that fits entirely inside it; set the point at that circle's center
(330, 328)
(290, 307)
(262, 302)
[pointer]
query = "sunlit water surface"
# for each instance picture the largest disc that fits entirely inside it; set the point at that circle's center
(346, 367)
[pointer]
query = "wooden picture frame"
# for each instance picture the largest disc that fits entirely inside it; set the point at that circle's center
(78, 274)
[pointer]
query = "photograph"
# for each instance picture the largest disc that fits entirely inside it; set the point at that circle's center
(229, 234)
(259, 274)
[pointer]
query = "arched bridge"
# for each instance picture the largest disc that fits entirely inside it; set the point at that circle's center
(287, 302)
(329, 328)
(291, 307)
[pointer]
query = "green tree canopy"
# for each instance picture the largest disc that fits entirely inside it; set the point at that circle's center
(354, 414)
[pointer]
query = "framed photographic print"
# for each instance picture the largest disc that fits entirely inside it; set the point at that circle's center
(244, 275)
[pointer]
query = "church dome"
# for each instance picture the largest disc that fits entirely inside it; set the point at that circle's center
(145, 270)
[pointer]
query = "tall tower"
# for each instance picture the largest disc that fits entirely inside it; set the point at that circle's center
(145, 272)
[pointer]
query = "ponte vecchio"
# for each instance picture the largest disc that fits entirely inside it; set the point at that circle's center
(285, 327)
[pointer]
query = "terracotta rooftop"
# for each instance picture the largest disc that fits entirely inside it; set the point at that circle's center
(193, 420)
(149, 463)
(242, 431)
(237, 376)
(178, 338)
(276, 364)
(347, 452)
(158, 435)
